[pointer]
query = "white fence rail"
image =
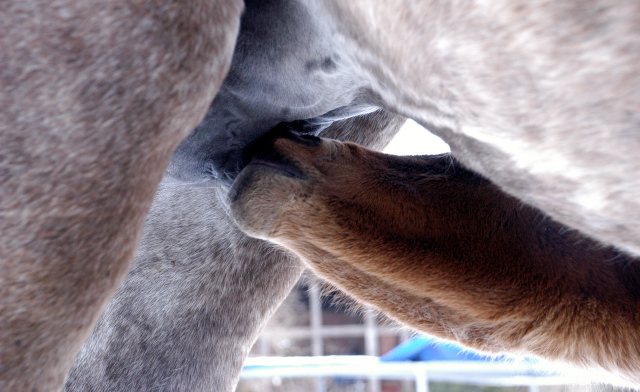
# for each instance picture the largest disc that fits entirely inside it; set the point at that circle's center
(518, 373)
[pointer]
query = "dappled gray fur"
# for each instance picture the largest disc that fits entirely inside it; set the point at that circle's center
(198, 293)
(540, 97)
(286, 66)
(94, 98)
(192, 305)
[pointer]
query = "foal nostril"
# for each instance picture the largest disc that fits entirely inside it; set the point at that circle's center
(295, 131)
(265, 144)
(263, 150)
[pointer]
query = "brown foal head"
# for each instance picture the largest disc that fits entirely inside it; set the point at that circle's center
(304, 183)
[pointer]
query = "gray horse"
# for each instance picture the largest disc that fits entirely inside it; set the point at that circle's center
(541, 98)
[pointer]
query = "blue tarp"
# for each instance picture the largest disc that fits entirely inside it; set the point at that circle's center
(423, 348)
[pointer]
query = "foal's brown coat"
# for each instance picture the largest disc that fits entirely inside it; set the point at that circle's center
(446, 252)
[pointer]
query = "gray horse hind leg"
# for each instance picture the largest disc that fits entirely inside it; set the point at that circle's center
(198, 294)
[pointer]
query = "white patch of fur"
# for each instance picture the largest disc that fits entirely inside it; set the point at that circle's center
(546, 161)
(525, 155)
